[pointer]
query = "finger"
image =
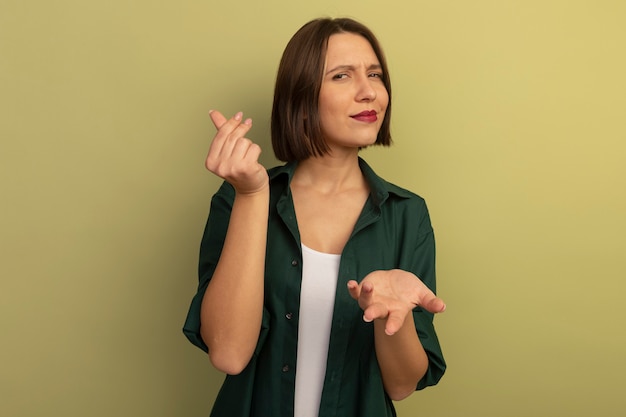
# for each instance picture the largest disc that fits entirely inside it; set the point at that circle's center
(234, 137)
(367, 293)
(225, 128)
(375, 311)
(394, 323)
(241, 148)
(429, 301)
(240, 129)
(253, 153)
(228, 126)
(228, 132)
(217, 118)
(354, 289)
(433, 304)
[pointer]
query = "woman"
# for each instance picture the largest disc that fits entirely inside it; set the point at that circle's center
(309, 296)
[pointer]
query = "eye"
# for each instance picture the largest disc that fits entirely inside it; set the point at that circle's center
(376, 75)
(340, 76)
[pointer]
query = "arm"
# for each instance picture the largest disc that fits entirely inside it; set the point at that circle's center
(401, 357)
(236, 288)
(388, 298)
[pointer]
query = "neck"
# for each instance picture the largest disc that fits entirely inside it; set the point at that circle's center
(329, 173)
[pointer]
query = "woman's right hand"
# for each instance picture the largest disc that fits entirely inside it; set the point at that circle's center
(234, 157)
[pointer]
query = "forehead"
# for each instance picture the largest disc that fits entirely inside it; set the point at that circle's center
(349, 49)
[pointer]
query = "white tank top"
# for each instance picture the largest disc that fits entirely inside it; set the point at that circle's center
(317, 300)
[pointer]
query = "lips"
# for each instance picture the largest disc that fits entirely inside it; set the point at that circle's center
(368, 116)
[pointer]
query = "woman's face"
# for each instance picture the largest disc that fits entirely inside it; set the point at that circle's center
(353, 98)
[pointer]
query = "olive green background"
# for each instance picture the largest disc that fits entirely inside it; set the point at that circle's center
(509, 118)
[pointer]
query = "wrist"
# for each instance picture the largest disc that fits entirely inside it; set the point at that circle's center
(262, 191)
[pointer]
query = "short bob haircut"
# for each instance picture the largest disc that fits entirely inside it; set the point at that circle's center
(295, 122)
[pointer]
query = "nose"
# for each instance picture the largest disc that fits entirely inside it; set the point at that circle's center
(366, 91)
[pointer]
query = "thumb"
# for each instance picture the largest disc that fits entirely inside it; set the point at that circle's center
(217, 118)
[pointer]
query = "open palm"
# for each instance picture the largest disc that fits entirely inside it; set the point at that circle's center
(391, 295)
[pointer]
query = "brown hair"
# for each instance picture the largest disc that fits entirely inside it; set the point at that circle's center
(295, 124)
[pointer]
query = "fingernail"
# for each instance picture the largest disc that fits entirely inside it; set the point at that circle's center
(248, 122)
(238, 115)
(366, 320)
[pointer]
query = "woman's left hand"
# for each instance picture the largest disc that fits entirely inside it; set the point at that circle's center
(391, 295)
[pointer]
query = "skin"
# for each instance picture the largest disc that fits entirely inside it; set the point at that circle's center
(236, 289)
(328, 193)
(351, 84)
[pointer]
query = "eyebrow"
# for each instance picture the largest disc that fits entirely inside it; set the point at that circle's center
(352, 68)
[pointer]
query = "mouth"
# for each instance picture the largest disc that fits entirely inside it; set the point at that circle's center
(368, 116)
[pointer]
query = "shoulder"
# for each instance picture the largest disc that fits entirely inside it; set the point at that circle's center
(385, 191)
(406, 207)
(406, 203)
(403, 193)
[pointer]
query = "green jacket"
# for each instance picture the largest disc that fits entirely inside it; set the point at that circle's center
(393, 231)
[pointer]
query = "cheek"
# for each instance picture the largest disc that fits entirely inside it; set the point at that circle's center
(325, 119)
(327, 110)
(327, 102)
(384, 98)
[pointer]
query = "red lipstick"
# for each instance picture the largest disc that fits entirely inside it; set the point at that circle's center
(368, 116)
